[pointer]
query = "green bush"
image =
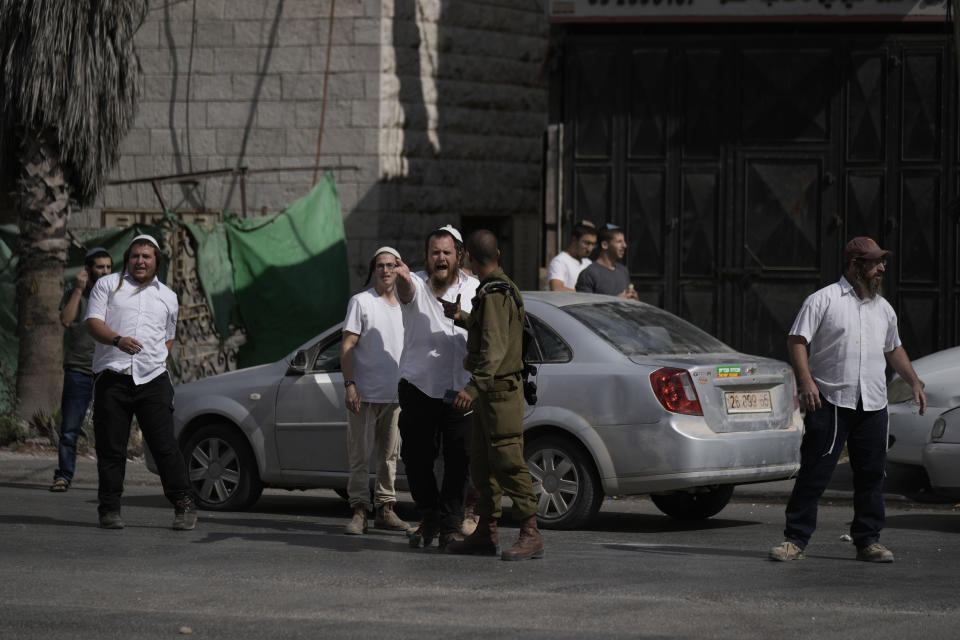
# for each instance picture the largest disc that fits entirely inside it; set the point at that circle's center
(12, 431)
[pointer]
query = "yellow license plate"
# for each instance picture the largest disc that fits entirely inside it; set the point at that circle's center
(748, 401)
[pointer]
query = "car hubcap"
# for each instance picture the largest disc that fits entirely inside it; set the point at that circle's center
(214, 470)
(555, 482)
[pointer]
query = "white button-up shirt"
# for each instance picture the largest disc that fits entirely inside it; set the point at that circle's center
(433, 347)
(148, 314)
(848, 338)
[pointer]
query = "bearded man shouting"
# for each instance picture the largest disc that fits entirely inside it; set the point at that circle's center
(431, 376)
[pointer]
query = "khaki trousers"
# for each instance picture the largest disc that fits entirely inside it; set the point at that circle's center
(373, 431)
(496, 457)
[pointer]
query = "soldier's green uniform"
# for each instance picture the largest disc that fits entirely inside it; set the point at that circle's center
(495, 360)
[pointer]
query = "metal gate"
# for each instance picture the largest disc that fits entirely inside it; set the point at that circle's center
(740, 164)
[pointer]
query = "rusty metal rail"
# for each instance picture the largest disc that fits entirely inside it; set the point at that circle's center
(242, 172)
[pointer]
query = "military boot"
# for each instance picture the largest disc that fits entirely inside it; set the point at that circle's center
(484, 541)
(528, 545)
(387, 519)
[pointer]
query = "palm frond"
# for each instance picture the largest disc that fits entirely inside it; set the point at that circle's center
(69, 68)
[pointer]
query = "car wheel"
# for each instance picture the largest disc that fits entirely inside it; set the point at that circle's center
(694, 505)
(564, 481)
(222, 470)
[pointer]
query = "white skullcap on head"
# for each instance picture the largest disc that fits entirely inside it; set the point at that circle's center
(148, 238)
(390, 250)
(452, 231)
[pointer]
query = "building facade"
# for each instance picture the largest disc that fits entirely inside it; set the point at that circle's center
(741, 144)
(431, 113)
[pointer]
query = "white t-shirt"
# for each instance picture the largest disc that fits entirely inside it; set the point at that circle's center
(149, 315)
(566, 268)
(848, 337)
(376, 357)
(433, 347)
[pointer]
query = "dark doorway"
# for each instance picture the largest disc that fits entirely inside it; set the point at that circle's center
(739, 164)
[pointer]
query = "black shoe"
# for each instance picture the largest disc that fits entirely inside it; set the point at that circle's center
(184, 514)
(111, 520)
(447, 538)
(423, 535)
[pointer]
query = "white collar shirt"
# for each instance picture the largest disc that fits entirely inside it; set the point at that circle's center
(566, 268)
(848, 338)
(147, 313)
(433, 346)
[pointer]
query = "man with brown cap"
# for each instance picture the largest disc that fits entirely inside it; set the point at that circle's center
(852, 334)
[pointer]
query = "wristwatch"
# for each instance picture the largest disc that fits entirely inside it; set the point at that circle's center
(116, 341)
(348, 383)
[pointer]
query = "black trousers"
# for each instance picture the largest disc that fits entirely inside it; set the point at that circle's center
(825, 432)
(427, 427)
(116, 399)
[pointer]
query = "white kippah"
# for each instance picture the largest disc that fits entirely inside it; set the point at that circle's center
(389, 250)
(148, 238)
(452, 231)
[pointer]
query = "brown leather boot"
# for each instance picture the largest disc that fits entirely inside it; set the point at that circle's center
(528, 545)
(484, 541)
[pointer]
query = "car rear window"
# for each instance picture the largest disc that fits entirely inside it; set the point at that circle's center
(640, 329)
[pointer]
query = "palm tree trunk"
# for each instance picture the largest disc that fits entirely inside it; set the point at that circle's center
(43, 201)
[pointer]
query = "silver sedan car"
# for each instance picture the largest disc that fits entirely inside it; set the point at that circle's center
(941, 454)
(631, 400)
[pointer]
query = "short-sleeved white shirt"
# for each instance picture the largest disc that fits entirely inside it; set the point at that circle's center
(149, 315)
(433, 347)
(566, 268)
(848, 338)
(376, 357)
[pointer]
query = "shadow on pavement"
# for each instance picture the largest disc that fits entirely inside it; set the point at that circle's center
(945, 522)
(666, 549)
(653, 523)
(45, 521)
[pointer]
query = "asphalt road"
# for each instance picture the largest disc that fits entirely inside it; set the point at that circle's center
(285, 570)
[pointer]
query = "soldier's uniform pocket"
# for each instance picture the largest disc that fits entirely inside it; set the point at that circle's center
(501, 410)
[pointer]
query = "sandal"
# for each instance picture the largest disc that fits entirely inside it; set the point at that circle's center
(59, 485)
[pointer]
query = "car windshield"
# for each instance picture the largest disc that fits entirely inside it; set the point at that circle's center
(641, 329)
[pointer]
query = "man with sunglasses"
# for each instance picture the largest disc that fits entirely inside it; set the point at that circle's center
(370, 357)
(852, 335)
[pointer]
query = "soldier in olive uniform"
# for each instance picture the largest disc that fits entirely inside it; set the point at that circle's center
(495, 391)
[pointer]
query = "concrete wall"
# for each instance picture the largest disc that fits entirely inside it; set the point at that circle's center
(439, 106)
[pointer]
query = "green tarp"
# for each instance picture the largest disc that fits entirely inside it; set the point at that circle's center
(288, 273)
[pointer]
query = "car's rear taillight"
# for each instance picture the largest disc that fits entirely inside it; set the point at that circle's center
(674, 389)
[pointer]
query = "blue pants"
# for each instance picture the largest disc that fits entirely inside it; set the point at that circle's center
(77, 393)
(826, 430)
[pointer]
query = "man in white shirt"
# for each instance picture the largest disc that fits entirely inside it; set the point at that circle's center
(133, 318)
(431, 376)
(370, 357)
(852, 334)
(566, 266)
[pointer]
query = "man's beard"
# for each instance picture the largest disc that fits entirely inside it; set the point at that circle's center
(440, 282)
(872, 286)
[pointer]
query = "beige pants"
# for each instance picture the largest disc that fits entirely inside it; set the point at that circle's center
(373, 430)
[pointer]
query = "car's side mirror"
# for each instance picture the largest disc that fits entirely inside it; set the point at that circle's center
(298, 365)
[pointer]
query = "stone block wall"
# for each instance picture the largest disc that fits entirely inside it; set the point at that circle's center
(434, 114)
